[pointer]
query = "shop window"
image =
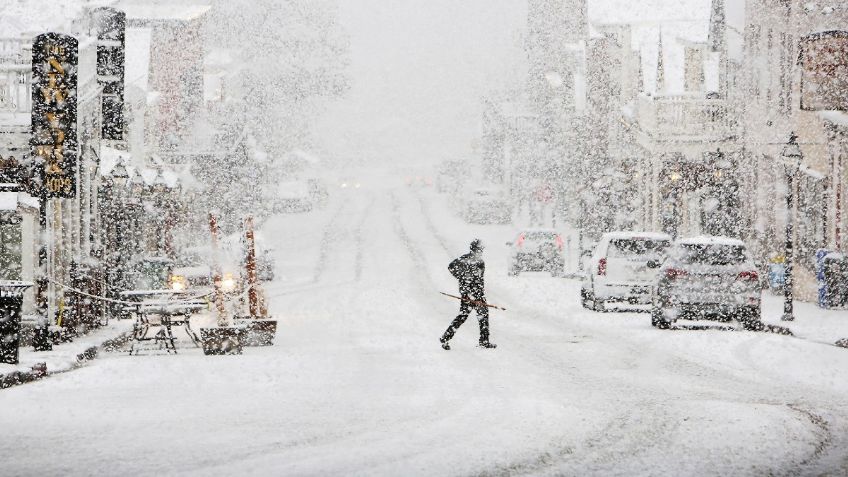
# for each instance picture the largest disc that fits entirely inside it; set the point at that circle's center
(811, 218)
(10, 246)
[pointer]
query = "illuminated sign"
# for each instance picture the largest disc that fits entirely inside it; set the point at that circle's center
(54, 112)
(824, 71)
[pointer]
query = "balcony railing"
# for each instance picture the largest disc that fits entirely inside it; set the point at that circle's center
(15, 51)
(685, 117)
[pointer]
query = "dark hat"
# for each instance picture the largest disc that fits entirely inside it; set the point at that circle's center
(476, 245)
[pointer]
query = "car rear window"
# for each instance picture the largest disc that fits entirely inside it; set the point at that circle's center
(619, 248)
(539, 236)
(711, 254)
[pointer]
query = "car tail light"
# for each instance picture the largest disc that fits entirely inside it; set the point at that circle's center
(559, 242)
(675, 273)
(520, 241)
(750, 276)
(602, 267)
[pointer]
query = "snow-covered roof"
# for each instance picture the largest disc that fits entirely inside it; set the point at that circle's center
(644, 235)
(300, 155)
(8, 200)
(838, 118)
(807, 170)
(28, 200)
(540, 230)
(109, 157)
(11, 200)
(711, 240)
(163, 12)
(292, 190)
(835, 256)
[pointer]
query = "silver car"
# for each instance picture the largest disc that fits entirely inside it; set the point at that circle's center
(707, 277)
(537, 250)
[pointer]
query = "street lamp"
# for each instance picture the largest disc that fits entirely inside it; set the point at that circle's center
(792, 162)
(120, 174)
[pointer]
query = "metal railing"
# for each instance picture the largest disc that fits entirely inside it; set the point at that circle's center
(686, 116)
(15, 51)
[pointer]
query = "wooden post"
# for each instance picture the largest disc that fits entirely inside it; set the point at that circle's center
(250, 264)
(216, 274)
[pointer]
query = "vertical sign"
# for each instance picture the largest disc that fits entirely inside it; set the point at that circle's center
(111, 31)
(54, 112)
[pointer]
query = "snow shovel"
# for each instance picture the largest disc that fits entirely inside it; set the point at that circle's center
(474, 302)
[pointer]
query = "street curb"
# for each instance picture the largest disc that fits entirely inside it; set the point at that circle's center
(39, 370)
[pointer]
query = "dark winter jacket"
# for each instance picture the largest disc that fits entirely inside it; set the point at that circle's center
(469, 269)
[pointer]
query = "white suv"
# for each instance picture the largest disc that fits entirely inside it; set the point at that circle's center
(619, 269)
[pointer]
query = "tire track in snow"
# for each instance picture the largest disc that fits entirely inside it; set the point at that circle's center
(416, 255)
(360, 247)
(558, 454)
(428, 223)
(823, 432)
(645, 425)
(327, 238)
(335, 231)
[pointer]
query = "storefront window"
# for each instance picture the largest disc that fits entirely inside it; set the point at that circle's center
(811, 197)
(10, 247)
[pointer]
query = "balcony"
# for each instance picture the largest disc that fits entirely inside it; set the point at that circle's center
(15, 52)
(685, 118)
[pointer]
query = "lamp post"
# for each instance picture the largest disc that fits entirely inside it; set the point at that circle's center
(119, 177)
(792, 162)
(675, 198)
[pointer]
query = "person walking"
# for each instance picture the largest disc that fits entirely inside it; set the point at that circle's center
(468, 269)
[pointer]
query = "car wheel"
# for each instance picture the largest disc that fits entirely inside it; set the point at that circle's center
(658, 318)
(749, 318)
(585, 299)
(558, 270)
(598, 304)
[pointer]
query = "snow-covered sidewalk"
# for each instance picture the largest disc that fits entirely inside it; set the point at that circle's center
(62, 357)
(811, 322)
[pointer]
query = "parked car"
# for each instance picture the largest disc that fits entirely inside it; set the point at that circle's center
(707, 277)
(150, 273)
(265, 264)
(418, 181)
(293, 196)
(486, 206)
(193, 269)
(537, 250)
(318, 193)
(451, 175)
(618, 269)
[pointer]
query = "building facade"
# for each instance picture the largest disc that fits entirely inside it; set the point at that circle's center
(793, 80)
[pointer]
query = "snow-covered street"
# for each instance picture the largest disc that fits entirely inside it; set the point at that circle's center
(358, 385)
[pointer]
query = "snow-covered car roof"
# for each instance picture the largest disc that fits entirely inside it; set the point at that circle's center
(711, 240)
(486, 190)
(292, 190)
(538, 230)
(636, 235)
(195, 271)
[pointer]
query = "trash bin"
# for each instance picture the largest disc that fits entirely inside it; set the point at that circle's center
(833, 285)
(11, 301)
